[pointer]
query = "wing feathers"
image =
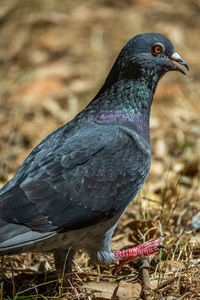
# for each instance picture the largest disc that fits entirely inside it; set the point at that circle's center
(90, 176)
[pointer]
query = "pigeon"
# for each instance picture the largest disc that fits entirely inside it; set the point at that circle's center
(71, 190)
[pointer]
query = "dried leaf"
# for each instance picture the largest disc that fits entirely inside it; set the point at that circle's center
(42, 266)
(105, 289)
(128, 290)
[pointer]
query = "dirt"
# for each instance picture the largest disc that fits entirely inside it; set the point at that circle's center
(54, 56)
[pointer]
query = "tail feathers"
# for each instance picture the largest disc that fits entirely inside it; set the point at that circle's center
(13, 237)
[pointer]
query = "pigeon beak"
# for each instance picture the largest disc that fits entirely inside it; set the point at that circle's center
(176, 57)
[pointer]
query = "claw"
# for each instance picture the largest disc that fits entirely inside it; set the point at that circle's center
(161, 247)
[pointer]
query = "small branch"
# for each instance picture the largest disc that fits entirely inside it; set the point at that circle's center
(146, 287)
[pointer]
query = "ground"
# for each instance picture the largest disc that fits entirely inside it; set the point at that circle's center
(54, 56)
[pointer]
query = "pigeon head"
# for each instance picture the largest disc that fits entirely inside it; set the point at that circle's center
(153, 52)
(145, 59)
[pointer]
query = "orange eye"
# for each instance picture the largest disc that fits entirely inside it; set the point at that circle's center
(157, 49)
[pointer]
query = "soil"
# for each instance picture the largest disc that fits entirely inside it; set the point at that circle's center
(54, 56)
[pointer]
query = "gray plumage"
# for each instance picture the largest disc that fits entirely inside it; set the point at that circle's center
(73, 187)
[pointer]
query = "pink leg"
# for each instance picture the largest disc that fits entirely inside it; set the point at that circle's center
(139, 251)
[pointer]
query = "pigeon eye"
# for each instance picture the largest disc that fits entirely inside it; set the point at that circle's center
(157, 49)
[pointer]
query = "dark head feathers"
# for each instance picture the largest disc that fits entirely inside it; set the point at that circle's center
(143, 43)
(137, 59)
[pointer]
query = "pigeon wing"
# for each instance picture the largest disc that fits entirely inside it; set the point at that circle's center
(88, 178)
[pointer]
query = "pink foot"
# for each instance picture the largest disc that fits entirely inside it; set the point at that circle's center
(145, 249)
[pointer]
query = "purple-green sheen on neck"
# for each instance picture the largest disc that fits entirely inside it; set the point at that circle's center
(137, 121)
(124, 103)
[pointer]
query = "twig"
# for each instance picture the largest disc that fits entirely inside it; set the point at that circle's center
(146, 287)
(33, 287)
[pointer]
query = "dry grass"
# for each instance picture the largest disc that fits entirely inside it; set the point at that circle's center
(54, 56)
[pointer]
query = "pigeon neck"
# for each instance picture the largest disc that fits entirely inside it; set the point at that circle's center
(126, 102)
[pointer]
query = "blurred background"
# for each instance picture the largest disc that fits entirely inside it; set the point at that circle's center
(54, 57)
